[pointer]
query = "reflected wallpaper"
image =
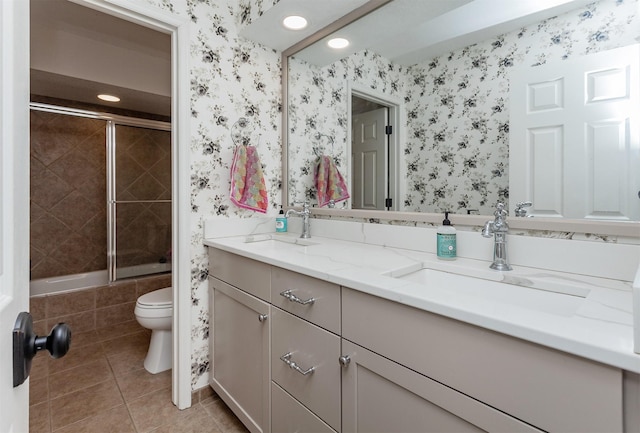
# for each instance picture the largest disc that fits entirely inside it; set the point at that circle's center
(457, 106)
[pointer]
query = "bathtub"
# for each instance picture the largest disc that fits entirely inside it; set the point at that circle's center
(70, 283)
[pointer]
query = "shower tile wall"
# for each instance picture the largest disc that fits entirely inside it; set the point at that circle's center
(143, 173)
(68, 195)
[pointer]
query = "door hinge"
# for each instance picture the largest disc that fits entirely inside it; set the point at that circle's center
(388, 202)
(388, 129)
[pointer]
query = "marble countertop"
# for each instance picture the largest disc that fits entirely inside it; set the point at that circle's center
(585, 316)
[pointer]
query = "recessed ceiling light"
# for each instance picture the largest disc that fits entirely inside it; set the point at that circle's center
(295, 22)
(338, 43)
(109, 98)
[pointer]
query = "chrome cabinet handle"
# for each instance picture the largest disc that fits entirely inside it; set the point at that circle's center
(286, 358)
(262, 317)
(293, 298)
(344, 360)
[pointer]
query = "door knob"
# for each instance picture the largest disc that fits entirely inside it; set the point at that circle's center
(26, 344)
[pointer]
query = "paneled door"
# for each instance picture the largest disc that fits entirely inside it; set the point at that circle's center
(574, 149)
(369, 159)
(14, 202)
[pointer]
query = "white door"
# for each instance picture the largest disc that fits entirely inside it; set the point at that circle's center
(574, 149)
(369, 160)
(14, 202)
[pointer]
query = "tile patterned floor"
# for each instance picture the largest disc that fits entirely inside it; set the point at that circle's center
(101, 386)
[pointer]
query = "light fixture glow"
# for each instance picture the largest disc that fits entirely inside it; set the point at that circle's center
(109, 98)
(295, 22)
(338, 43)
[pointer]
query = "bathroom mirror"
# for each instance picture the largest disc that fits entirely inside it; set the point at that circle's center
(448, 104)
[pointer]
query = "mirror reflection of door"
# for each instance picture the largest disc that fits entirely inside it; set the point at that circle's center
(574, 127)
(370, 150)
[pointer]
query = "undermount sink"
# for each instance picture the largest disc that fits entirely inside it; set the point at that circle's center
(278, 240)
(557, 299)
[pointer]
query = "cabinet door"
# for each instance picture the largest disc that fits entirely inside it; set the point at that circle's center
(379, 395)
(240, 371)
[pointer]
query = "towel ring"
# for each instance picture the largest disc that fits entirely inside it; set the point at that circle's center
(319, 136)
(236, 133)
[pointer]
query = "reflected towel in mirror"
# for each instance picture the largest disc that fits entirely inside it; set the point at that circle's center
(329, 182)
(248, 189)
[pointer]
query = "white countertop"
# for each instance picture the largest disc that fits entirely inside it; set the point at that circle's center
(600, 327)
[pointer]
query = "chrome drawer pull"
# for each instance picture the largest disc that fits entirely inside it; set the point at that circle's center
(262, 317)
(293, 298)
(286, 358)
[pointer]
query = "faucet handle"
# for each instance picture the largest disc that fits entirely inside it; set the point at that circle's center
(520, 210)
(500, 211)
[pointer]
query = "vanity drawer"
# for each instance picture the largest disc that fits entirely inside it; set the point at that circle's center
(249, 275)
(292, 292)
(308, 346)
(288, 415)
(549, 389)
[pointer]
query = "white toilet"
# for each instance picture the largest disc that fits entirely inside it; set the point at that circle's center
(154, 310)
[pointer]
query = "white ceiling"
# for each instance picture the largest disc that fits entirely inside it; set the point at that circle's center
(412, 31)
(77, 52)
(268, 29)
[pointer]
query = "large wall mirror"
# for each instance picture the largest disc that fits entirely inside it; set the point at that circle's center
(461, 138)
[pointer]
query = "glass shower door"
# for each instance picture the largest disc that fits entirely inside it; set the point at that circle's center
(140, 201)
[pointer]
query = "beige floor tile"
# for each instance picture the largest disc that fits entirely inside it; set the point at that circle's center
(140, 382)
(116, 420)
(126, 362)
(155, 410)
(76, 357)
(39, 421)
(118, 330)
(80, 377)
(81, 339)
(84, 403)
(198, 421)
(226, 419)
(127, 343)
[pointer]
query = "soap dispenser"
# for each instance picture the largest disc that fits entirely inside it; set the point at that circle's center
(446, 240)
(281, 222)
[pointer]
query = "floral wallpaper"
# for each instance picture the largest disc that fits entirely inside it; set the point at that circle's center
(457, 106)
(318, 105)
(231, 78)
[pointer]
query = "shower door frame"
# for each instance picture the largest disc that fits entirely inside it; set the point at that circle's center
(111, 123)
(179, 28)
(112, 201)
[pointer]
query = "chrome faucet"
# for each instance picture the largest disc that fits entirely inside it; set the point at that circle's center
(499, 229)
(305, 213)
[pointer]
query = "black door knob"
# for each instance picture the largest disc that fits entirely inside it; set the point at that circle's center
(26, 344)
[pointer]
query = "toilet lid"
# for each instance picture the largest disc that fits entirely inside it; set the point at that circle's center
(157, 298)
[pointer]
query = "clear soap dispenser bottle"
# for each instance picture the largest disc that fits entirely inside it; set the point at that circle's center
(446, 242)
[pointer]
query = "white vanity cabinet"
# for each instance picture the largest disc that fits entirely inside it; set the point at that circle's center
(240, 341)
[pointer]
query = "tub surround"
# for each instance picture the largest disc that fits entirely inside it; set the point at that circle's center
(371, 258)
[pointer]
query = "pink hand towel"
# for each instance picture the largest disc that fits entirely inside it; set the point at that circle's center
(329, 182)
(248, 189)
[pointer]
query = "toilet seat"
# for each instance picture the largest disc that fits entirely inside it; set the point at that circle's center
(162, 298)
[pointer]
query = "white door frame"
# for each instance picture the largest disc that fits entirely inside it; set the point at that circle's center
(14, 202)
(396, 119)
(178, 28)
